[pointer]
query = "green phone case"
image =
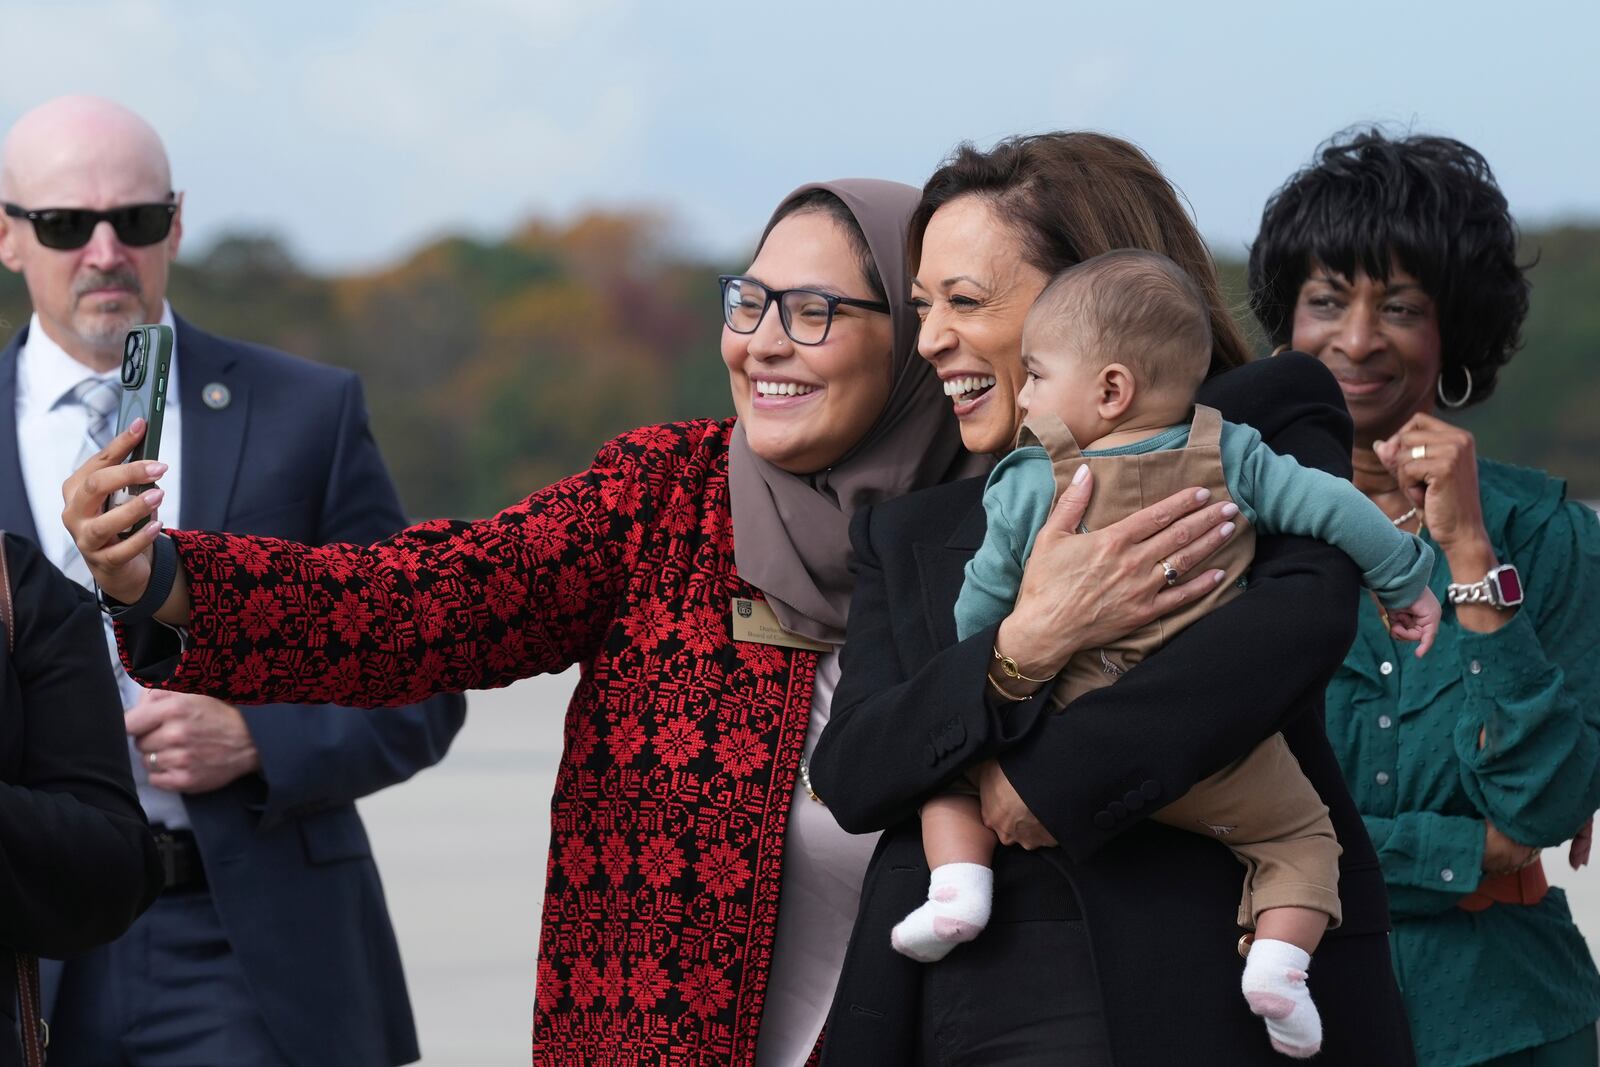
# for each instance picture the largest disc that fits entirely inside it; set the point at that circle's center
(146, 368)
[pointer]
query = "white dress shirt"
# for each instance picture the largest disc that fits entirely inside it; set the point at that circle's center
(50, 436)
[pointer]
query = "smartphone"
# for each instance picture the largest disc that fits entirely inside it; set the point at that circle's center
(146, 366)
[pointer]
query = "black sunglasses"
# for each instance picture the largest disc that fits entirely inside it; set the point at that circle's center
(806, 314)
(65, 228)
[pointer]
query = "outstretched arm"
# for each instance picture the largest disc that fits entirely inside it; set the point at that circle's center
(440, 607)
(319, 756)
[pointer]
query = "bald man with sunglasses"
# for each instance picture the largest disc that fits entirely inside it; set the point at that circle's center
(271, 942)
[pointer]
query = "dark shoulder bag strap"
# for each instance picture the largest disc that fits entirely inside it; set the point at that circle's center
(35, 1034)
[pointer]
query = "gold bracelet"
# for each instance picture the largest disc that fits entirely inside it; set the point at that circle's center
(998, 688)
(1009, 668)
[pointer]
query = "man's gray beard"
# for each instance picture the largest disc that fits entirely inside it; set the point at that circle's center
(106, 333)
(100, 330)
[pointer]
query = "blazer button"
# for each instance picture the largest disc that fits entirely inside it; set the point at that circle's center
(1151, 789)
(1104, 820)
(1134, 800)
(1117, 809)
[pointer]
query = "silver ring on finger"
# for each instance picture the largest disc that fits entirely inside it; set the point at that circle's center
(1419, 451)
(1169, 573)
(150, 762)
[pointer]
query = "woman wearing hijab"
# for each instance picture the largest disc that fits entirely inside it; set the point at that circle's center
(698, 900)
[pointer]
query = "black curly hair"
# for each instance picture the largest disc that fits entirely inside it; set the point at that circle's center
(1431, 205)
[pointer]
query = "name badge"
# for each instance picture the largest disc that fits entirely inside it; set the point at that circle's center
(754, 620)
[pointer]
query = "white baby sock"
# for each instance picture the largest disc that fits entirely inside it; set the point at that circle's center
(1275, 986)
(957, 910)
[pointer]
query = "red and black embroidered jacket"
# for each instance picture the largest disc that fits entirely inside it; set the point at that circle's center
(681, 746)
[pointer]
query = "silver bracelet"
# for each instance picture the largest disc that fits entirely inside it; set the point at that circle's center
(1501, 588)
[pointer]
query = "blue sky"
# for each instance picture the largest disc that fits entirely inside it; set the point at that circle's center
(358, 129)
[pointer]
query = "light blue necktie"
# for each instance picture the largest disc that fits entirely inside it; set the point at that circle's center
(99, 398)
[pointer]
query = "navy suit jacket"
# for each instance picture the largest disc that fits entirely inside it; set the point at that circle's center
(287, 856)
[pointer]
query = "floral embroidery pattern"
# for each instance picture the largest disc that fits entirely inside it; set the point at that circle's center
(681, 746)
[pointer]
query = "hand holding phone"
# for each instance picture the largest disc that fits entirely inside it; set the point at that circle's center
(146, 366)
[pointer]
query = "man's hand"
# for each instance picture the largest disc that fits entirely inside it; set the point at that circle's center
(191, 744)
(1004, 811)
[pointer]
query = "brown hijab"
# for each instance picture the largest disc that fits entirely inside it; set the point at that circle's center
(791, 533)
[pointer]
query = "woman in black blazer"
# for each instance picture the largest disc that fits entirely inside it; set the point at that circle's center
(77, 861)
(1120, 945)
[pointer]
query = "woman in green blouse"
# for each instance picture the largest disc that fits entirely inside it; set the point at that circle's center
(1394, 262)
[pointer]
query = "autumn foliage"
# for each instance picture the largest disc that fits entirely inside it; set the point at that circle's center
(495, 367)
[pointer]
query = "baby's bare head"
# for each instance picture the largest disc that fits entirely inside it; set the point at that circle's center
(1132, 307)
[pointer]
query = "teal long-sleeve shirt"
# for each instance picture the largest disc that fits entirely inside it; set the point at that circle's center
(1483, 984)
(1275, 494)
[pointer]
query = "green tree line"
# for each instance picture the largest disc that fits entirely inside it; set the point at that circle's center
(495, 367)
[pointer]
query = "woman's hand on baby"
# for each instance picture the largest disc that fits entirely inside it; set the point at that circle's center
(1004, 810)
(120, 567)
(1419, 622)
(1081, 590)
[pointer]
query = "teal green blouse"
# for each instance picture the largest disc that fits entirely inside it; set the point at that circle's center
(1482, 984)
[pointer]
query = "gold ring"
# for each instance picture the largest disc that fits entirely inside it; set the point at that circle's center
(1418, 451)
(150, 761)
(1168, 572)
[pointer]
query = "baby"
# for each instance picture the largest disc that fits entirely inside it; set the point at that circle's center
(1115, 349)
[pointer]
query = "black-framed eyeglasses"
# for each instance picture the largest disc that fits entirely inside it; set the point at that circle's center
(806, 314)
(66, 228)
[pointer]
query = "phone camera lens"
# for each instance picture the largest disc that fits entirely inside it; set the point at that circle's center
(133, 358)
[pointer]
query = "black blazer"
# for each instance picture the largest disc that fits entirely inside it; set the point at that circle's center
(910, 715)
(286, 854)
(77, 862)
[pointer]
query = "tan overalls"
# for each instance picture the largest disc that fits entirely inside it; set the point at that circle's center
(1262, 807)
